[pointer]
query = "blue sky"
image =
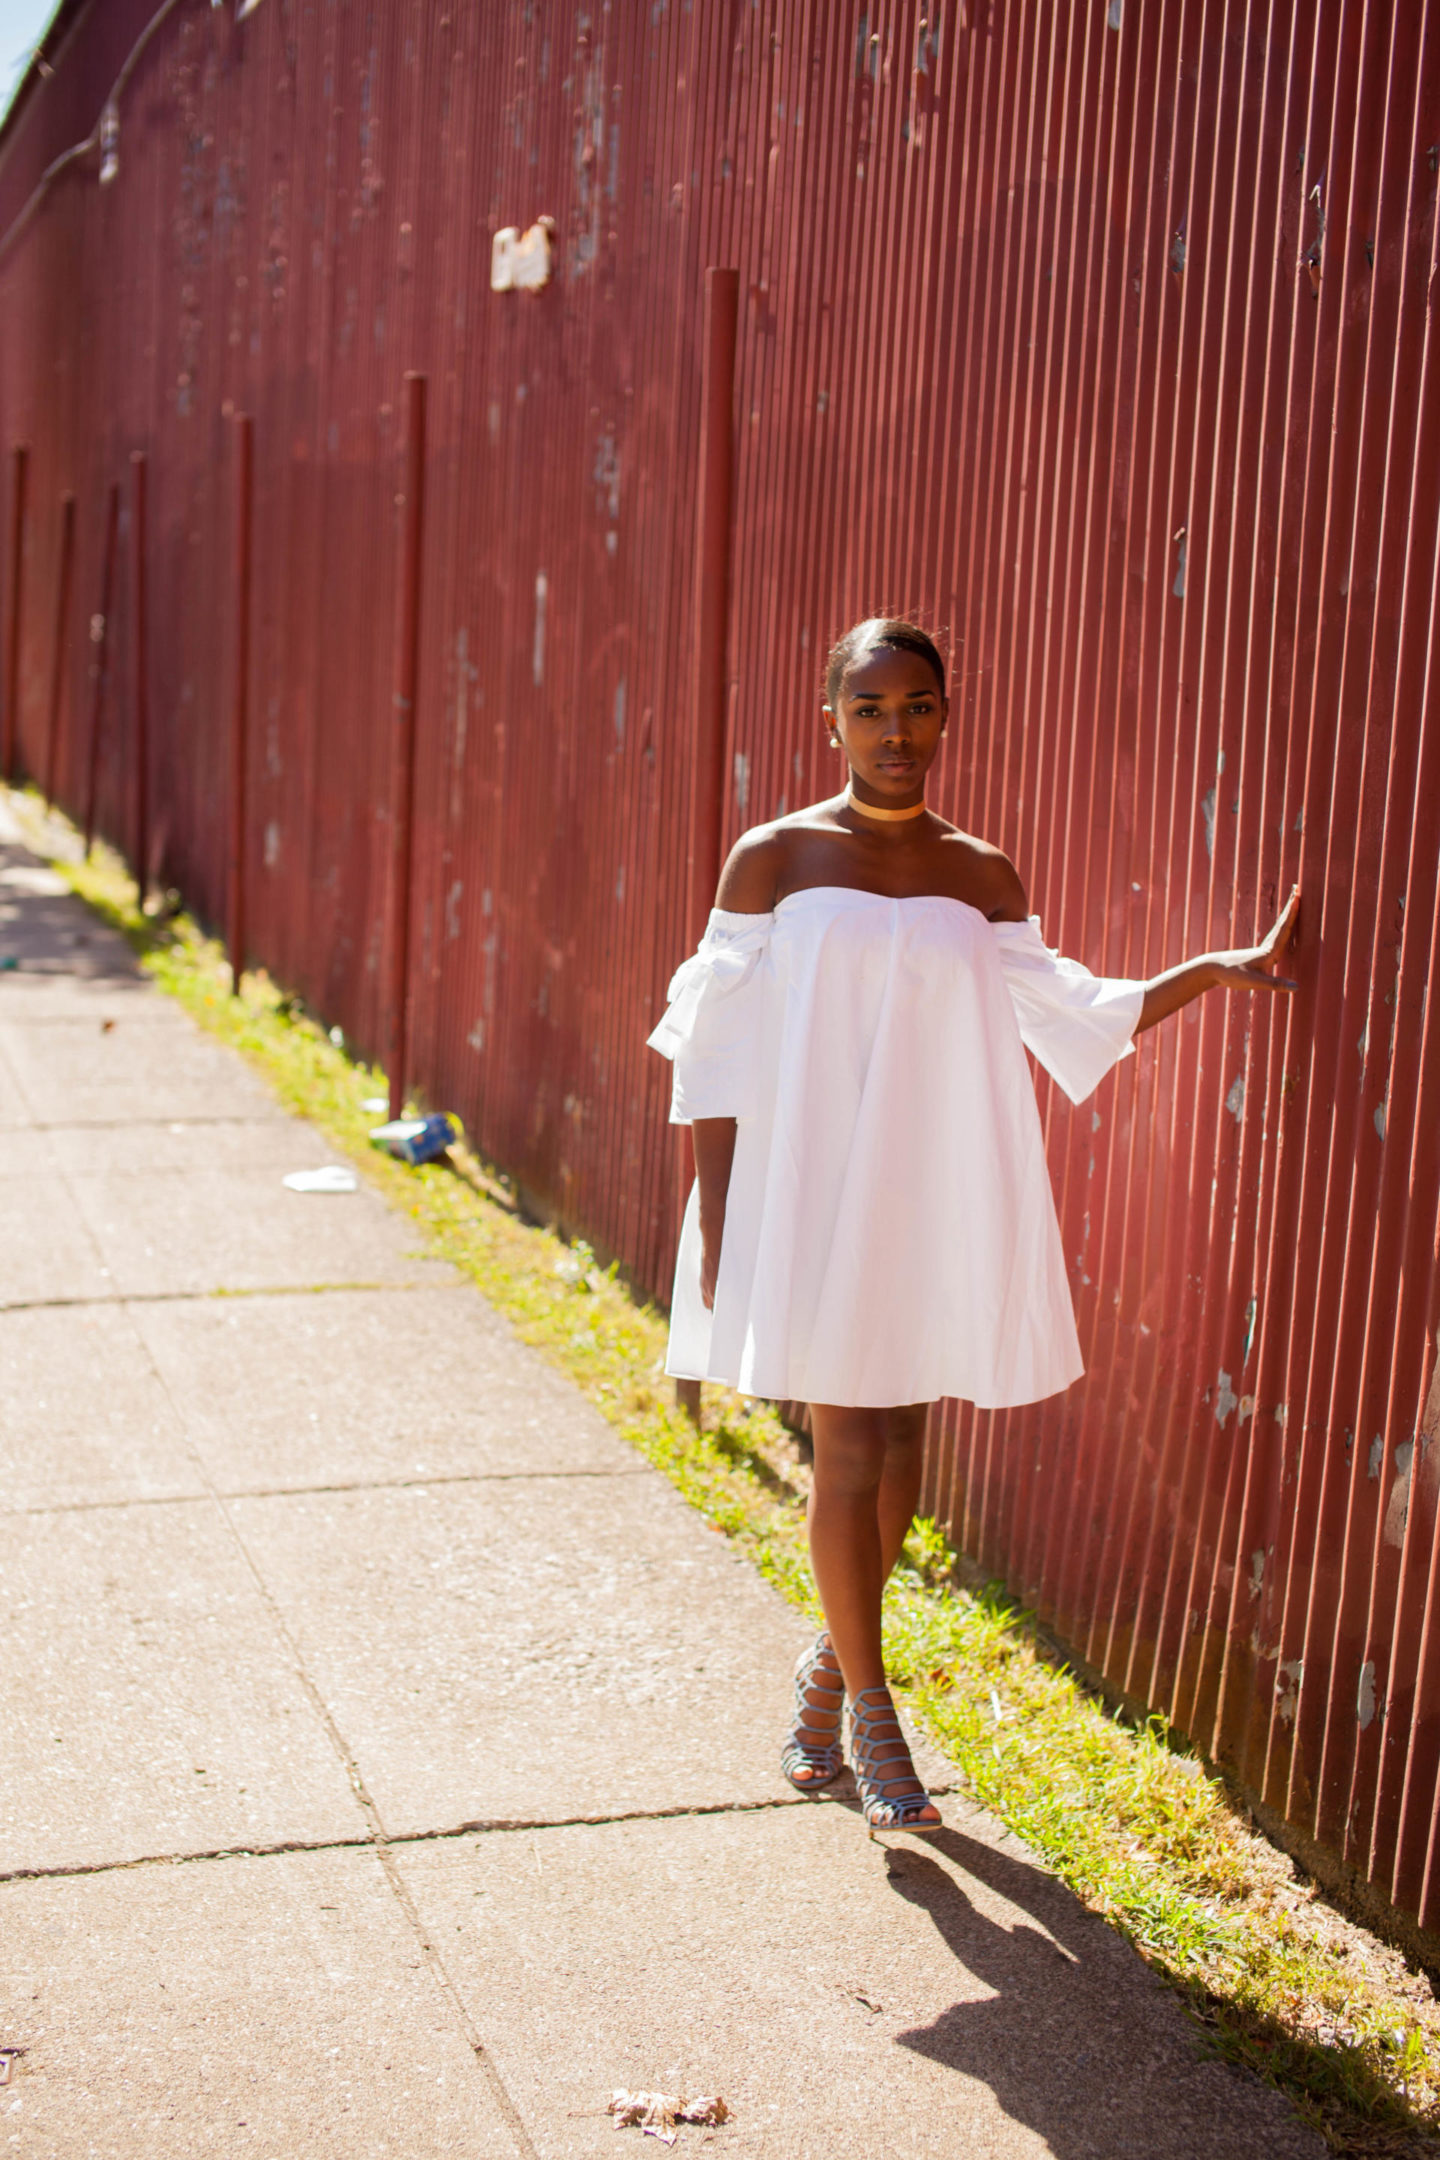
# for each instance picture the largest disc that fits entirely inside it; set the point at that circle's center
(21, 22)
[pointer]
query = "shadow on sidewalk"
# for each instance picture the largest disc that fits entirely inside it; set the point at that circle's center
(1062, 2034)
(45, 930)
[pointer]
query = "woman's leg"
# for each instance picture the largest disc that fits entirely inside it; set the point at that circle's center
(900, 1482)
(868, 1467)
(867, 1481)
(845, 1546)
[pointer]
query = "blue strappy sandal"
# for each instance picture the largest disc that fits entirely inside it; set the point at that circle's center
(808, 1747)
(891, 1796)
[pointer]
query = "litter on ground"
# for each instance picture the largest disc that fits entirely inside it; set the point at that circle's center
(657, 2113)
(415, 1140)
(333, 1178)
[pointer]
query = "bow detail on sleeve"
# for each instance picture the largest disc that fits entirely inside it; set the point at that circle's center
(712, 1028)
(723, 962)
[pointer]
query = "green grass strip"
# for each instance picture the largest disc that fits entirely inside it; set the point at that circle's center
(1125, 1817)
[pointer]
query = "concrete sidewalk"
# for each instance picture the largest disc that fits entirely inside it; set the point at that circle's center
(389, 1758)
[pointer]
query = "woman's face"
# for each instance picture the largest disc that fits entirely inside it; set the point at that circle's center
(889, 718)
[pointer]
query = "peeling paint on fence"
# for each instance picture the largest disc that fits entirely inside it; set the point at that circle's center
(1365, 1695)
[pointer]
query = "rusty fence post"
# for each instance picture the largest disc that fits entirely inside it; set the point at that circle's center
(710, 680)
(20, 474)
(99, 654)
(139, 672)
(710, 684)
(64, 579)
(239, 715)
(402, 782)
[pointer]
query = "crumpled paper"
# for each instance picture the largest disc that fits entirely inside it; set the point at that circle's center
(657, 2113)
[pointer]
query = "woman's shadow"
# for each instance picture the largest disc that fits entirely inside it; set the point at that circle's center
(1079, 2040)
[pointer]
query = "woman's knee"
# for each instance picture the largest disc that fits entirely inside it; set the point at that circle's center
(906, 1427)
(850, 1448)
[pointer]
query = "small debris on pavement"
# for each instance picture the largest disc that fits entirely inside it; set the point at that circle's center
(333, 1178)
(9, 2056)
(657, 2113)
(866, 2002)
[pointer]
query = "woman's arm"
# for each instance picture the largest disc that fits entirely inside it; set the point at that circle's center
(714, 1139)
(747, 887)
(1248, 968)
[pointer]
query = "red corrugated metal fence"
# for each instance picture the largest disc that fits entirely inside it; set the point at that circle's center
(1102, 335)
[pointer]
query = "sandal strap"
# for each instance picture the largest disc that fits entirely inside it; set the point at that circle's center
(815, 1741)
(804, 1723)
(828, 1761)
(890, 1792)
(823, 1682)
(812, 1668)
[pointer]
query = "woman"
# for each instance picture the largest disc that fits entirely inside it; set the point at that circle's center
(872, 1225)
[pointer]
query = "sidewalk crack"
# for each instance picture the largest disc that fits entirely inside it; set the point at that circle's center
(302, 1492)
(481, 1826)
(200, 1297)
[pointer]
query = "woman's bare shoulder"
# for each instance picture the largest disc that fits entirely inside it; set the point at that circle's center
(751, 876)
(988, 871)
(755, 870)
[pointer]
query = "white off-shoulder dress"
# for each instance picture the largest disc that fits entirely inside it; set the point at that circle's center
(890, 1232)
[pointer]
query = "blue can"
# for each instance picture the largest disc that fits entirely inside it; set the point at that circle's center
(416, 1140)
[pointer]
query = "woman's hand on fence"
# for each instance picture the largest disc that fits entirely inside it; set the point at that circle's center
(1254, 967)
(1248, 967)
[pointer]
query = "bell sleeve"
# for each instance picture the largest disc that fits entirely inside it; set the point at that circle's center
(1077, 1024)
(710, 1031)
